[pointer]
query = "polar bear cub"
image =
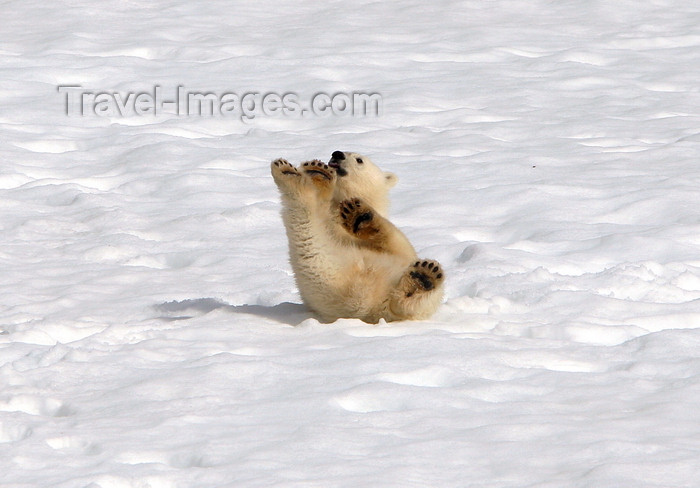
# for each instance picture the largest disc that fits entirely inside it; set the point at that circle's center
(349, 261)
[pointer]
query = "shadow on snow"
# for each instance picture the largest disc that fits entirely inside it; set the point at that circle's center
(286, 313)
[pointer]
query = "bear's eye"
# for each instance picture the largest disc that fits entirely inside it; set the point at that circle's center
(359, 161)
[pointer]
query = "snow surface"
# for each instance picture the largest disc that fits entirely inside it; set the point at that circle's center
(152, 335)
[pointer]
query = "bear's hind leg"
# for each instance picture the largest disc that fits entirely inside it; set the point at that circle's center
(360, 220)
(372, 230)
(424, 276)
(419, 291)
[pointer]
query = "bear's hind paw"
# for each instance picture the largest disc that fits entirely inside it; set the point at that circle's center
(424, 276)
(358, 219)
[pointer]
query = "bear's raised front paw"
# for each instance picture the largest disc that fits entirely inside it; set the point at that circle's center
(318, 170)
(357, 218)
(426, 275)
(283, 167)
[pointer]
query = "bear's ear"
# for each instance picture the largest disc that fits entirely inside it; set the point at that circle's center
(391, 179)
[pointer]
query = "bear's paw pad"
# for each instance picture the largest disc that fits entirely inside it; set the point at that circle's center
(426, 274)
(284, 167)
(355, 215)
(318, 169)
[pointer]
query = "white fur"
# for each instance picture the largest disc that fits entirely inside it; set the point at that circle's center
(365, 181)
(339, 275)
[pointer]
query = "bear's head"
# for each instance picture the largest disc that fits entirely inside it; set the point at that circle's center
(359, 177)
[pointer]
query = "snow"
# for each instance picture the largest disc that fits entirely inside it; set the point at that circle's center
(151, 334)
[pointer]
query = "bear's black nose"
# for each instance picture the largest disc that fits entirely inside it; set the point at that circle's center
(338, 155)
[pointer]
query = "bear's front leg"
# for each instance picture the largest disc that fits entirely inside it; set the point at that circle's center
(313, 181)
(321, 175)
(287, 177)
